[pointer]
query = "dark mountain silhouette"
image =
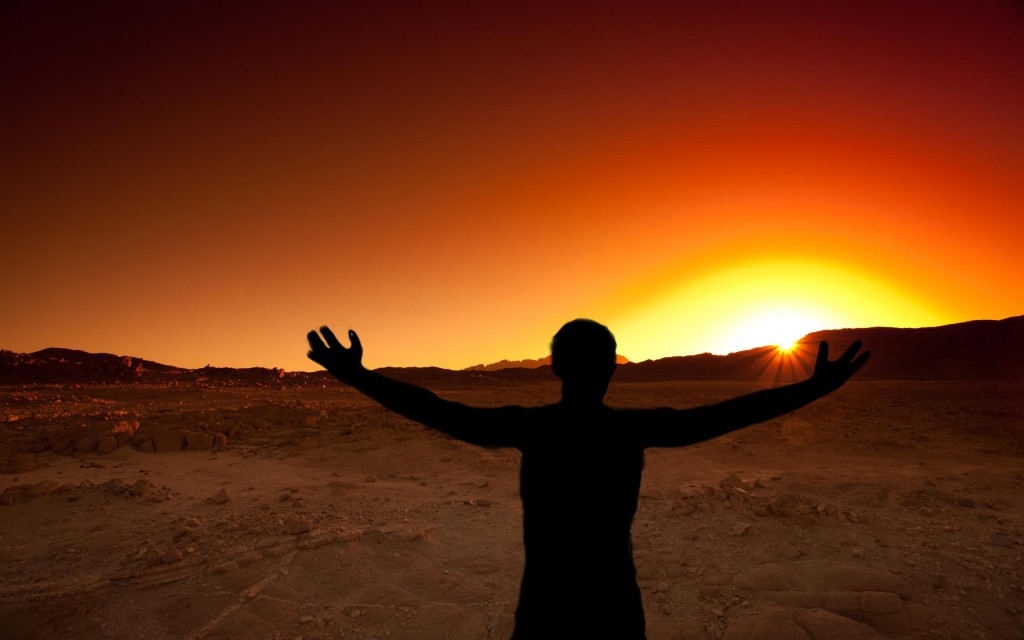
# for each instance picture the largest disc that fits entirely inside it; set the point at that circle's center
(525, 364)
(976, 350)
(72, 366)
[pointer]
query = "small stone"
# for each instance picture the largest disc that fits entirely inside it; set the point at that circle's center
(741, 529)
(220, 497)
(106, 445)
(153, 556)
(296, 526)
(356, 613)
(198, 440)
(141, 487)
(306, 619)
(172, 556)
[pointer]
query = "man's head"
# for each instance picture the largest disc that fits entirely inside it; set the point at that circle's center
(583, 355)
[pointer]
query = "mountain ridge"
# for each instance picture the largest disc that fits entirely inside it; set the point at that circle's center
(971, 350)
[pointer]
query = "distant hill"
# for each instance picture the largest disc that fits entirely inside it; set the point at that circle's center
(525, 364)
(72, 366)
(976, 350)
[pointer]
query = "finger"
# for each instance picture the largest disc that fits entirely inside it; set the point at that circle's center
(851, 351)
(822, 355)
(859, 362)
(315, 357)
(316, 345)
(332, 340)
(357, 346)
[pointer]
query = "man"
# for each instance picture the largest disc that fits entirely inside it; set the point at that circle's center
(581, 468)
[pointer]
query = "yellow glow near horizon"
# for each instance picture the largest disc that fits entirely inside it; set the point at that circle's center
(774, 302)
(780, 327)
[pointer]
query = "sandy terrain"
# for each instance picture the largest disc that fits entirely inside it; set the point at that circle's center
(891, 509)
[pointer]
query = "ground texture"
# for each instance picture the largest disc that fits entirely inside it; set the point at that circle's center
(888, 510)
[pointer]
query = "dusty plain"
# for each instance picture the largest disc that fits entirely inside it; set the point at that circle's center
(888, 510)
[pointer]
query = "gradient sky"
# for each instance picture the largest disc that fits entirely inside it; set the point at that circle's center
(195, 183)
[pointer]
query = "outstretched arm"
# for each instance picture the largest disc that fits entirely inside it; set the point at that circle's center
(673, 428)
(486, 427)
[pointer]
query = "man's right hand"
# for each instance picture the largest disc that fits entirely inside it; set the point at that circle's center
(341, 362)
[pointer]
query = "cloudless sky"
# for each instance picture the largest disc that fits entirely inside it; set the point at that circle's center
(193, 182)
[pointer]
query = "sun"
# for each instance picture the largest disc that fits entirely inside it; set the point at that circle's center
(781, 327)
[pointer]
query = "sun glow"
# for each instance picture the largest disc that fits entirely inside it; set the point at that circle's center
(763, 303)
(780, 327)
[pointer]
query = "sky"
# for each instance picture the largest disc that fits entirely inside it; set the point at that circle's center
(203, 183)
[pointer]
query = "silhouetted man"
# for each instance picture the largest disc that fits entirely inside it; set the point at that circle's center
(581, 467)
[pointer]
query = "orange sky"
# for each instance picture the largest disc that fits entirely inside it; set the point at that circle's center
(193, 185)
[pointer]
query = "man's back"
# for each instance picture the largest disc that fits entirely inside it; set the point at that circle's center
(580, 481)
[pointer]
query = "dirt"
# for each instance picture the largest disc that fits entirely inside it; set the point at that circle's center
(888, 510)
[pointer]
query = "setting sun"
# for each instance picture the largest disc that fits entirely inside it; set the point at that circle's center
(778, 327)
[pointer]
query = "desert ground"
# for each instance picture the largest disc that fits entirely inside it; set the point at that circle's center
(887, 510)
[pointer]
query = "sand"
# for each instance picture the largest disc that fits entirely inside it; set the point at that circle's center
(888, 510)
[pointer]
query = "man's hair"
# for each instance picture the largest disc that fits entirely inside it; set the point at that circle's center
(583, 348)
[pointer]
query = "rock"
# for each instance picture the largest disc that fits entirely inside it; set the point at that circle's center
(63, 444)
(884, 611)
(219, 440)
(153, 556)
(734, 481)
(220, 497)
(140, 488)
(106, 445)
(741, 529)
(306, 619)
(125, 431)
(147, 446)
(44, 488)
(87, 443)
(14, 494)
(295, 526)
(172, 556)
(168, 440)
(198, 441)
(20, 463)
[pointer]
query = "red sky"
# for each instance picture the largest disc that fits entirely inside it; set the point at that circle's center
(196, 184)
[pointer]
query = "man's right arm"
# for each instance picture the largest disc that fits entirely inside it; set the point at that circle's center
(681, 427)
(486, 427)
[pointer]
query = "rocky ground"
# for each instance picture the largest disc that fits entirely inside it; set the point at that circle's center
(889, 510)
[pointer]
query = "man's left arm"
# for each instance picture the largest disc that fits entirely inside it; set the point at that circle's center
(681, 427)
